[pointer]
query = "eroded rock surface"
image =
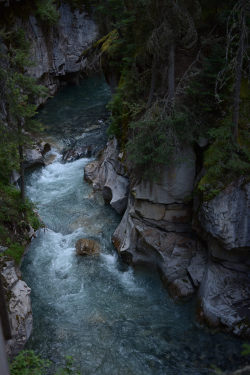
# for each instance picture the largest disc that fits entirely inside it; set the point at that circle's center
(227, 216)
(180, 259)
(34, 157)
(156, 229)
(108, 175)
(225, 290)
(224, 296)
(17, 295)
(176, 181)
(55, 54)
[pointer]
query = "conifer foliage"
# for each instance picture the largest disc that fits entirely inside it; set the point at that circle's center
(182, 74)
(18, 97)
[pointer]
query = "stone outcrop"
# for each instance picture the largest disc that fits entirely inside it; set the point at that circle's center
(156, 227)
(225, 291)
(77, 153)
(56, 53)
(180, 259)
(85, 246)
(208, 256)
(227, 217)
(176, 181)
(34, 157)
(17, 295)
(108, 175)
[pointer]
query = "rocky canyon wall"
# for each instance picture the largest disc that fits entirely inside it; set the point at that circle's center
(202, 250)
(55, 51)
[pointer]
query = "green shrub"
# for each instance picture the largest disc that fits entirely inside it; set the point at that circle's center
(15, 251)
(28, 363)
(69, 367)
(246, 349)
(154, 141)
(223, 161)
(15, 218)
(47, 11)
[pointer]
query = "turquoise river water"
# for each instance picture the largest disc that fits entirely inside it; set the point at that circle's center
(112, 319)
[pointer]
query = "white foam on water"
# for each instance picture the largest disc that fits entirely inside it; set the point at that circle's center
(125, 278)
(55, 180)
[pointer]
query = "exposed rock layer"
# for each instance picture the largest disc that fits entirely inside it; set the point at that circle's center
(156, 229)
(55, 53)
(224, 222)
(109, 175)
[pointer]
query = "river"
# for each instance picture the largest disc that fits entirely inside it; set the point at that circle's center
(110, 318)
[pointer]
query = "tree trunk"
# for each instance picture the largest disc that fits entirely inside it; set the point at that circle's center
(171, 74)
(21, 162)
(237, 83)
(153, 82)
(20, 148)
(4, 368)
(4, 314)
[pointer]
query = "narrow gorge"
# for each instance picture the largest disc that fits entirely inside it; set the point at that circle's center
(169, 292)
(109, 317)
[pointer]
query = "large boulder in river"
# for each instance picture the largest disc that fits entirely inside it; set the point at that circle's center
(108, 175)
(85, 246)
(17, 296)
(77, 153)
(33, 158)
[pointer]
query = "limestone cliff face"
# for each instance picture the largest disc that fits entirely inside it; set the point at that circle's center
(18, 302)
(224, 223)
(204, 251)
(55, 51)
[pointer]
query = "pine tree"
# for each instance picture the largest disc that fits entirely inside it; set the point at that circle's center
(19, 95)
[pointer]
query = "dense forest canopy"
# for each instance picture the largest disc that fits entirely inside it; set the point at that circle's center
(182, 71)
